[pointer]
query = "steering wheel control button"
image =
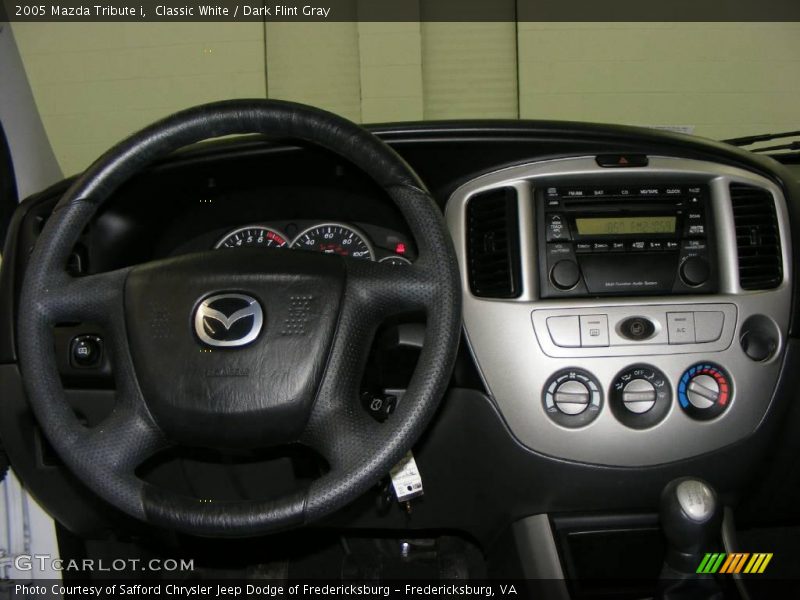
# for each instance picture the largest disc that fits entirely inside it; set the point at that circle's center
(379, 406)
(565, 331)
(637, 328)
(704, 391)
(680, 328)
(572, 398)
(565, 274)
(640, 396)
(86, 351)
(594, 330)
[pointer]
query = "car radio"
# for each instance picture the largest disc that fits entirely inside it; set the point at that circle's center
(625, 240)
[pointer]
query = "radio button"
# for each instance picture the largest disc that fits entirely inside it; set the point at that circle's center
(694, 229)
(655, 246)
(583, 247)
(556, 228)
(671, 245)
(618, 246)
(565, 331)
(594, 330)
(601, 247)
(565, 274)
(637, 246)
(680, 327)
(694, 246)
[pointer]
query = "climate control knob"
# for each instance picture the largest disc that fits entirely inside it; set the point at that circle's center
(572, 397)
(640, 396)
(704, 391)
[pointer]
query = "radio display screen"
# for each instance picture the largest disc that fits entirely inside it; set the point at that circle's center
(625, 225)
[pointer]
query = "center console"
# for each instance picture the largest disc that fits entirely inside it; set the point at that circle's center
(625, 312)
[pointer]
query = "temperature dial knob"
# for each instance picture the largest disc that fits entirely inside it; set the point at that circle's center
(704, 391)
(640, 396)
(572, 397)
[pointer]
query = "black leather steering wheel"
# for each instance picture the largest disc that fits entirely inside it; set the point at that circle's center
(298, 381)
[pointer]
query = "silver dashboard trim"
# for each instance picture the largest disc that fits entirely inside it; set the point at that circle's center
(538, 553)
(514, 366)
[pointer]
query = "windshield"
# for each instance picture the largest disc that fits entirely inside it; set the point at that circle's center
(95, 83)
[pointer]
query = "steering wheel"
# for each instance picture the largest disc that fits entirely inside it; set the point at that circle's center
(245, 349)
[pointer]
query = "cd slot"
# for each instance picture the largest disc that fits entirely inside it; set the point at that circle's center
(614, 204)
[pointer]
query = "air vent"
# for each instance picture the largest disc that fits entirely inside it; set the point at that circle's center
(493, 244)
(757, 238)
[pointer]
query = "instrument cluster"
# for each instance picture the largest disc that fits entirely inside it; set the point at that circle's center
(339, 238)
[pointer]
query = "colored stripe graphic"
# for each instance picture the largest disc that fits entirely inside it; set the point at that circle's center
(758, 563)
(720, 562)
(738, 562)
(711, 563)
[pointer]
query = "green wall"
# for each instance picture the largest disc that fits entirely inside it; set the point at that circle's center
(95, 83)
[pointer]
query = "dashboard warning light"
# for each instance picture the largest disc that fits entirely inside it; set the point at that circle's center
(400, 248)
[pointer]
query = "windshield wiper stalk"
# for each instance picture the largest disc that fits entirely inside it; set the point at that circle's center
(763, 137)
(792, 146)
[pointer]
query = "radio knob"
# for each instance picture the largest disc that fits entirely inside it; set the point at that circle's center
(572, 397)
(695, 271)
(565, 274)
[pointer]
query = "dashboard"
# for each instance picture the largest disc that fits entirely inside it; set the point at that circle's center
(625, 322)
(639, 300)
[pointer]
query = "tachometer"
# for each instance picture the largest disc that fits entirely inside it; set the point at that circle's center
(335, 238)
(253, 236)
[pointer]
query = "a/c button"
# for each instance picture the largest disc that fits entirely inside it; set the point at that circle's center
(680, 327)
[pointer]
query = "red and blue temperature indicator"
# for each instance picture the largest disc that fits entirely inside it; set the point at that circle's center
(705, 391)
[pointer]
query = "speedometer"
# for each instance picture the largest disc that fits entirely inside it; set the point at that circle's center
(335, 238)
(253, 236)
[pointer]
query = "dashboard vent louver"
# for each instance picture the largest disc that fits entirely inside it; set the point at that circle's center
(757, 238)
(493, 244)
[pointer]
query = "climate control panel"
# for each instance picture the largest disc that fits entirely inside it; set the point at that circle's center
(640, 396)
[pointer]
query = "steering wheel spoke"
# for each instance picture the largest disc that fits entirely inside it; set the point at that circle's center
(91, 298)
(124, 439)
(384, 290)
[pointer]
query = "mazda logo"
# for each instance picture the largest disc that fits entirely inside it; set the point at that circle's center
(228, 320)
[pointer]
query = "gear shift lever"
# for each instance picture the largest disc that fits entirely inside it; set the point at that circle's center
(691, 519)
